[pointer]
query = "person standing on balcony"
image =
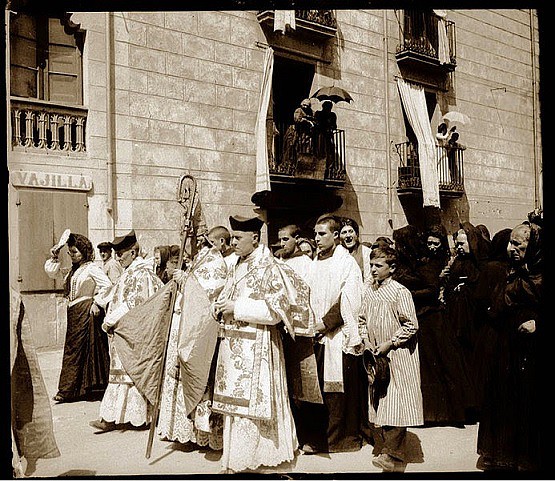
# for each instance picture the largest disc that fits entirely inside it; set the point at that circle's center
(298, 140)
(453, 152)
(443, 135)
(325, 125)
(85, 362)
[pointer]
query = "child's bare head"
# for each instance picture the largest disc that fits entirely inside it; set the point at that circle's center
(382, 263)
(388, 253)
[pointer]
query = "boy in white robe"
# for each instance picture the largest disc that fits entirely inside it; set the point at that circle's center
(335, 282)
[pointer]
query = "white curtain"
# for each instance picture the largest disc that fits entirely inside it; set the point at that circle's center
(443, 41)
(414, 102)
(262, 168)
(282, 18)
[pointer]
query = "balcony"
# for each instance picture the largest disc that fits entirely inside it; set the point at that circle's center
(319, 24)
(309, 162)
(423, 43)
(450, 169)
(46, 127)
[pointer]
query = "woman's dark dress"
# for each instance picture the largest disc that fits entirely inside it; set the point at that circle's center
(446, 386)
(512, 419)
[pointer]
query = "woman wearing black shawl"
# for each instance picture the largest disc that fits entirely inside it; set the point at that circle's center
(494, 272)
(460, 281)
(445, 381)
(86, 361)
(511, 418)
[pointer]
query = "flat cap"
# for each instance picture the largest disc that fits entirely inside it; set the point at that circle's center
(245, 224)
(125, 241)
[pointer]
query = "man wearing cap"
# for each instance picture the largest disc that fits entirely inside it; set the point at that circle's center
(250, 386)
(335, 282)
(111, 267)
(122, 402)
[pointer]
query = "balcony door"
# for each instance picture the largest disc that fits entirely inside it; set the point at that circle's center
(292, 82)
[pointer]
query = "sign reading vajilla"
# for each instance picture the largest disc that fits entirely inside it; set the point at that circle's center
(25, 178)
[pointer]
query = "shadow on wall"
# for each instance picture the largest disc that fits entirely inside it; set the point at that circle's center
(332, 52)
(451, 213)
(350, 206)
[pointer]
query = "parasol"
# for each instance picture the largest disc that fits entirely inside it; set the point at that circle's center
(333, 93)
(457, 118)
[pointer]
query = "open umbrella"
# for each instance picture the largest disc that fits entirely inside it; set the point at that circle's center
(457, 118)
(333, 93)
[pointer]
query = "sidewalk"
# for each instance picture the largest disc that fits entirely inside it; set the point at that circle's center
(117, 453)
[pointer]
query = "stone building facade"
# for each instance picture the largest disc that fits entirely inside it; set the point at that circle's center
(121, 104)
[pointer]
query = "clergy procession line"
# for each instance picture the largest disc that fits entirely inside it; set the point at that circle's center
(309, 346)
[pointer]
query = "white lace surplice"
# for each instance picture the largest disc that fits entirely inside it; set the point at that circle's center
(122, 402)
(249, 442)
(173, 422)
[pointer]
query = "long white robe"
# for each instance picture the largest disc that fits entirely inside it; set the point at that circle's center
(122, 402)
(209, 269)
(250, 386)
(337, 278)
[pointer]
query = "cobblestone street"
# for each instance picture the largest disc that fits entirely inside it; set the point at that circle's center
(117, 453)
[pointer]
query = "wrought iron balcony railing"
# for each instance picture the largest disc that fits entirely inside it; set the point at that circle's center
(307, 160)
(318, 22)
(420, 39)
(41, 125)
(450, 169)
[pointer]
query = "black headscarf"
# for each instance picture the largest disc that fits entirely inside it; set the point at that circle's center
(408, 244)
(525, 281)
(499, 242)
(85, 247)
(442, 253)
(164, 256)
(533, 258)
(409, 252)
(479, 246)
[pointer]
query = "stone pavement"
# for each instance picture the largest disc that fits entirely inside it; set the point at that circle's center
(122, 453)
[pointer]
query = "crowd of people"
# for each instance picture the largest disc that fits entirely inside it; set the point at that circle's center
(321, 345)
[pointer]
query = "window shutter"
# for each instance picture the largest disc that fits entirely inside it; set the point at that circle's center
(23, 56)
(43, 216)
(64, 65)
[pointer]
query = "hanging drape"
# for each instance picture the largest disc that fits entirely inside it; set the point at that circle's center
(282, 18)
(414, 102)
(262, 168)
(443, 41)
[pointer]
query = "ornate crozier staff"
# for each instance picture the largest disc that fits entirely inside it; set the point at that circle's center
(187, 197)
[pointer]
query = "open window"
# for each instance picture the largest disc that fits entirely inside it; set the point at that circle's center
(46, 58)
(291, 83)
